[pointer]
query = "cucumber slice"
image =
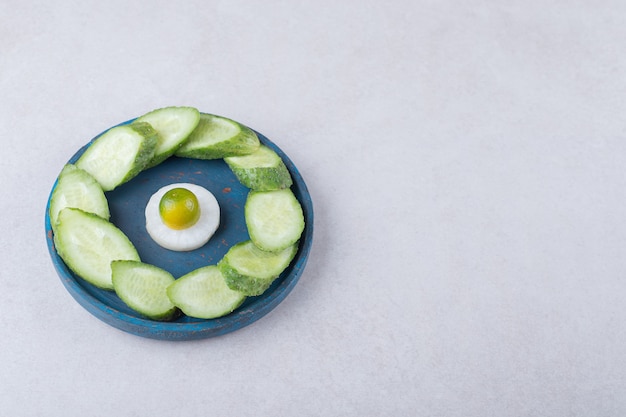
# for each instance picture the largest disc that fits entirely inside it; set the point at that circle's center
(76, 188)
(203, 293)
(262, 170)
(88, 244)
(216, 137)
(119, 154)
(250, 270)
(274, 219)
(143, 287)
(174, 125)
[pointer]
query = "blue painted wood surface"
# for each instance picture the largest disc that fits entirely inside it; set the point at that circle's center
(127, 204)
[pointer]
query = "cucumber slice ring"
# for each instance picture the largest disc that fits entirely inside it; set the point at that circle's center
(129, 199)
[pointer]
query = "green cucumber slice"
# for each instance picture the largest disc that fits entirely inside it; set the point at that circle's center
(250, 270)
(174, 125)
(262, 170)
(88, 244)
(203, 293)
(216, 137)
(143, 287)
(76, 188)
(119, 154)
(274, 219)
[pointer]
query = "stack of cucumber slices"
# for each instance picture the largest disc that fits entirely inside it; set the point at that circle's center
(99, 252)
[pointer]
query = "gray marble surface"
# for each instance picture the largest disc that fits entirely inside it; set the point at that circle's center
(466, 161)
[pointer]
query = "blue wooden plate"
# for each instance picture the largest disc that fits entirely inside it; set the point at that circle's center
(127, 204)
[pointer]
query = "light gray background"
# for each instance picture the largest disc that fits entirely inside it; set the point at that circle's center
(466, 161)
